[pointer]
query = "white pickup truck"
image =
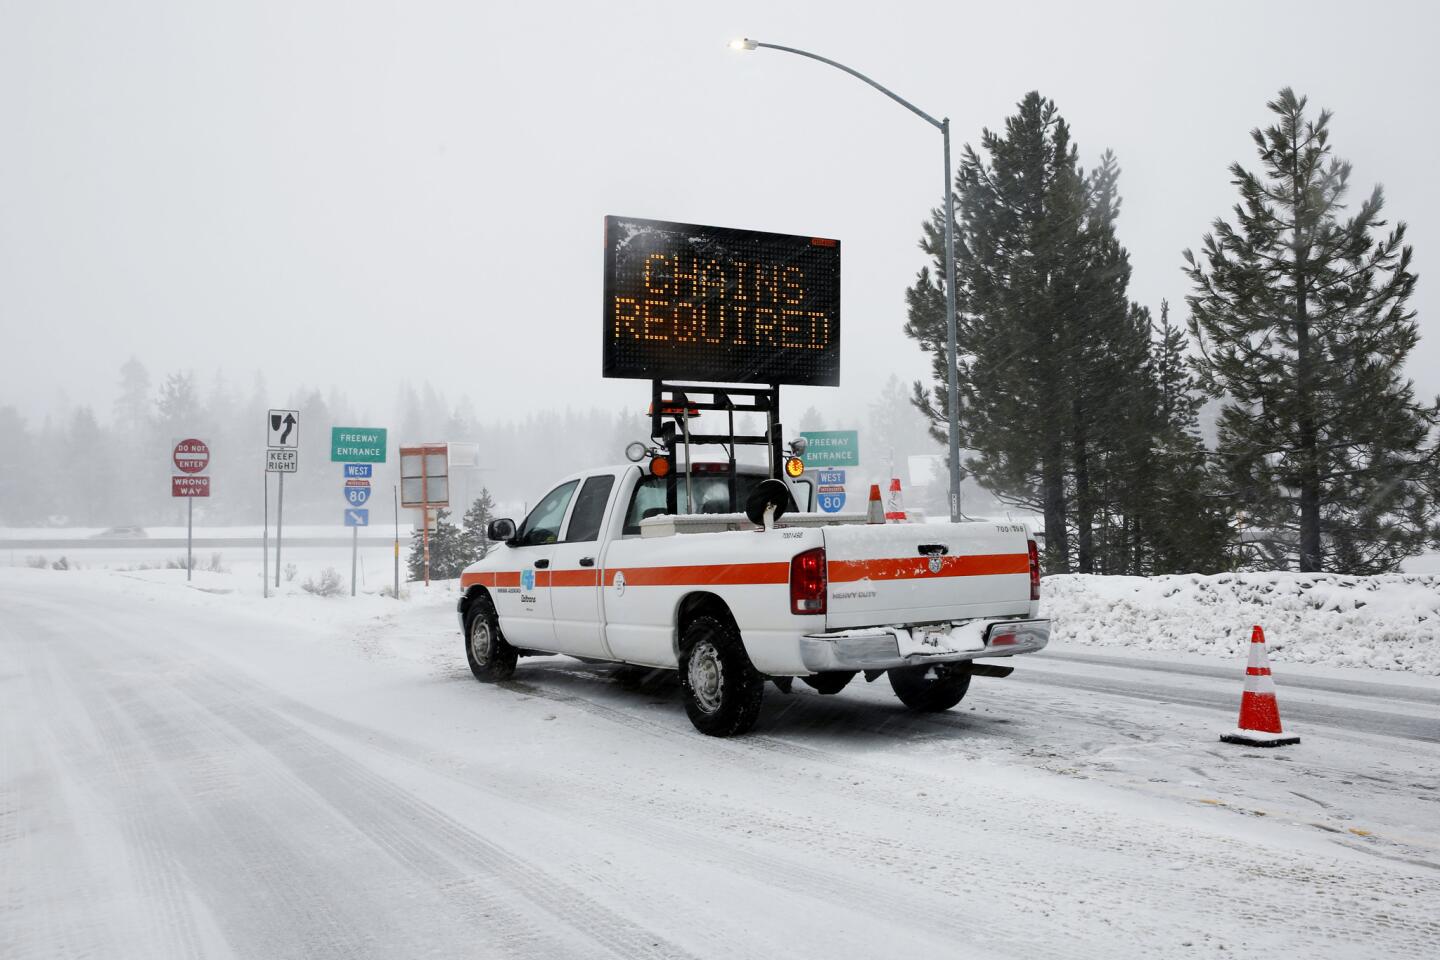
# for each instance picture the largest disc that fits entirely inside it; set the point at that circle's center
(599, 571)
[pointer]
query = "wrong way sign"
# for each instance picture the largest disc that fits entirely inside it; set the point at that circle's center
(189, 486)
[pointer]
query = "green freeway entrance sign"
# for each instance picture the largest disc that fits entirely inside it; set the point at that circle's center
(357, 444)
(831, 448)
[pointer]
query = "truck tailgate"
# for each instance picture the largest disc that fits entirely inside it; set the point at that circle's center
(925, 572)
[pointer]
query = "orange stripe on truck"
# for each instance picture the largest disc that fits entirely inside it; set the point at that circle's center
(918, 568)
(504, 578)
(728, 574)
(570, 578)
(749, 574)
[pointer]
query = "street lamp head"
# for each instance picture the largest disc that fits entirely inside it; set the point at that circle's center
(742, 44)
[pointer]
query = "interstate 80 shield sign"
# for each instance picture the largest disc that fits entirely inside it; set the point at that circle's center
(688, 302)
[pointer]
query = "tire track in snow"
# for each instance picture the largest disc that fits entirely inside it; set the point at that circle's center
(711, 831)
(390, 817)
(266, 890)
(171, 930)
(1097, 837)
(425, 838)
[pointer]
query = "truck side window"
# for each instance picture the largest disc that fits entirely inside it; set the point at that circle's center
(543, 524)
(647, 500)
(711, 493)
(589, 509)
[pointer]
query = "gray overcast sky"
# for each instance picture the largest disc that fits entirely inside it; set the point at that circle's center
(356, 193)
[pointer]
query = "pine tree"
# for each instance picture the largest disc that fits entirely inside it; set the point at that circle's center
(132, 407)
(1188, 517)
(1110, 341)
(177, 407)
(88, 486)
(1018, 239)
(19, 500)
(1303, 324)
(475, 537)
(135, 456)
(1052, 360)
(447, 551)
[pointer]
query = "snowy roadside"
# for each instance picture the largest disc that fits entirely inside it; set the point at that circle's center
(1389, 622)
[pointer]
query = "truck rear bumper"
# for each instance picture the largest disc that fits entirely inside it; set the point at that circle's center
(879, 648)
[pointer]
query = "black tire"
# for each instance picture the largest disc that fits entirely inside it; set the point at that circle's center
(491, 657)
(831, 682)
(930, 689)
(722, 688)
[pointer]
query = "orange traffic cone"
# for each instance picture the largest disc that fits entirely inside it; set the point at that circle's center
(875, 513)
(895, 507)
(1259, 710)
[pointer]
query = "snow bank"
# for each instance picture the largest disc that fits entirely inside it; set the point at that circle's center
(1389, 622)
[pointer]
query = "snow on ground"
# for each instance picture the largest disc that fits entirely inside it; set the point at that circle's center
(1389, 622)
(194, 771)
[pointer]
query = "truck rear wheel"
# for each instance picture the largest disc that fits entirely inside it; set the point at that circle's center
(491, 656)
(930, 689)
(722, 688)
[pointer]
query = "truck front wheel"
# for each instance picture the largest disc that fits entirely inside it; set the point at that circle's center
(722, 688)
(491, 656)
(930, 689)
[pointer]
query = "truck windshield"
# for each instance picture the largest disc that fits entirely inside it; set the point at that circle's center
(711, 493)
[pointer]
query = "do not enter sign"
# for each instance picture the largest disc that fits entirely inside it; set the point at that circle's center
(191, 456)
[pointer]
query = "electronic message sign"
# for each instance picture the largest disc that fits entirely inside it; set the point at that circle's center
(685, 302)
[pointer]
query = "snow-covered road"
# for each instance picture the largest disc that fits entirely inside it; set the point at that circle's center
(201, 774)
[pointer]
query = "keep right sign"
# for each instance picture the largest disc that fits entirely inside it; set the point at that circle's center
(282, 460)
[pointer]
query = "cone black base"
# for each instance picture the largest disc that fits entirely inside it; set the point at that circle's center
(1270, 740)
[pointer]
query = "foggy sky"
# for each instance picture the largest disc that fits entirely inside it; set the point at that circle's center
(351, 194)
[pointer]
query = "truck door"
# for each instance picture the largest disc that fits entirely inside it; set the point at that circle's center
(523, 600)
(575, 572)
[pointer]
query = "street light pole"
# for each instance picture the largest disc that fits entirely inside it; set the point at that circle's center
(950, 336)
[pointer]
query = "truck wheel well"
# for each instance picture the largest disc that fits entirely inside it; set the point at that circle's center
(696, 605)
(470, 595)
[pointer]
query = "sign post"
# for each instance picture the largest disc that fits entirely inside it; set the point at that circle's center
(190, 457)
(265, 543)
(282, 443)
(358, 448)
(425, 484)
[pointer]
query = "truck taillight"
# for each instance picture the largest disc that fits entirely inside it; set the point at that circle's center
(1034, 571)
(807, 582)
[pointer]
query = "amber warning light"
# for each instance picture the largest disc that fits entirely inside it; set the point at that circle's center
(715, 304)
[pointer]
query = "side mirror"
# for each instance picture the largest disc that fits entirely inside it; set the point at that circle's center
(501, 531)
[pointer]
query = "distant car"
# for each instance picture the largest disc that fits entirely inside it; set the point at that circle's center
(120, 533)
